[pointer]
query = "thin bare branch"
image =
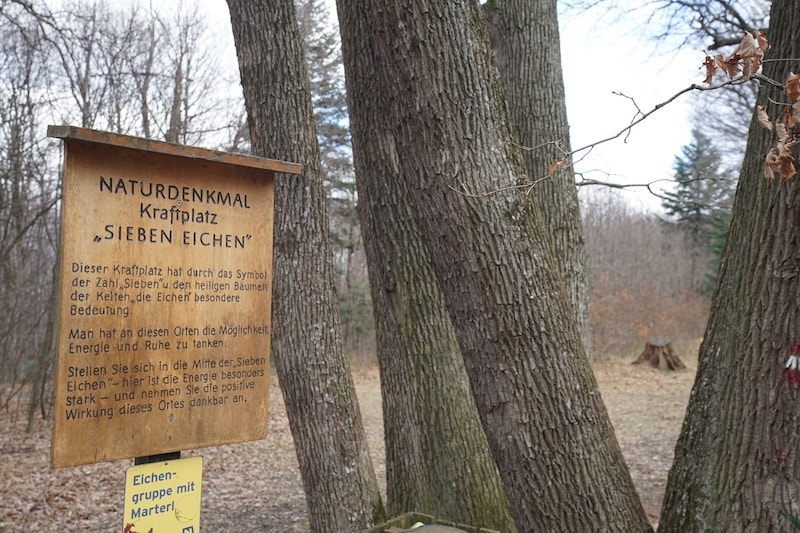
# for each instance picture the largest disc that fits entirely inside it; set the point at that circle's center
(640, 116)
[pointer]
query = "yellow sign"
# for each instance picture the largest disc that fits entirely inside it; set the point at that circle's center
(165, 297)
(163, 497)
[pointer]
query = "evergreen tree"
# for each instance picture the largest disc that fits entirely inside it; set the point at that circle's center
(323, 53)
(701, 201)
(326, 75)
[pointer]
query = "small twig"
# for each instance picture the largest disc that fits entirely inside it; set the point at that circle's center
(638, 117)
(649, 186)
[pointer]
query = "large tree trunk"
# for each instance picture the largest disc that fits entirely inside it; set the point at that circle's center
(437, 459)
(340, 484)
(525, 40)
(449, 140)
(737, 462)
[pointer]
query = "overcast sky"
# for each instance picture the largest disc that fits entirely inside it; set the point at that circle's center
(599, 60)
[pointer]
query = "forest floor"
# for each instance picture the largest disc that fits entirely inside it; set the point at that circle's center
(256, 486)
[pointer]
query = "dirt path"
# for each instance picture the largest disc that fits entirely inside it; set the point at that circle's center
(256, 486)
(646, 407)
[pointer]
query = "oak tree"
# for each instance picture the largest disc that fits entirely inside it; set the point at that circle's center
(526, 46)
(736, 462)
(437, 458)
(339, 481)
(446, 134)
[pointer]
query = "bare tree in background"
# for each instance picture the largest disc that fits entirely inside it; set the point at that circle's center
(713, 26)
(643, 281)
(28, 194)
(140, 72)
(717, 26)
(82, 64)
(77, 50)
(186, 82)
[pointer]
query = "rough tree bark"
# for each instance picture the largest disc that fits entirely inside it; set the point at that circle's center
(525, 39)
(737, 461)
(448, 138)
(338, 478)
(437, 459)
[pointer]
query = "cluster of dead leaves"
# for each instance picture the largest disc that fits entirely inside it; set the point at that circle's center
(779, 159)
(746, 60)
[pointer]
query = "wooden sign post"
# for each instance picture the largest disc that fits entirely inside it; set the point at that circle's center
(166, 279)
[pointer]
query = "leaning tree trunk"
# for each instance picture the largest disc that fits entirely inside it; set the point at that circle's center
(737, 461)
(340, 484)
(437, 459)
(447, 136)
(525, 40)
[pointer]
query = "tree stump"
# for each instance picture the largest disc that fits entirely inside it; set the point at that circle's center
(659, 354)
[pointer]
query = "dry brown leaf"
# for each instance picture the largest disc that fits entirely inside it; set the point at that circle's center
(746, 48)
(729, 66)
(769, 162)
(783, 133)
(787, 169)
(750, 66)
(554, 166)
(788, 119)
(763, 118)
(711, 69)
(746, 59)
(792, 87)
(763, 43)
(750, 53)
(780, 161)
(796, 111)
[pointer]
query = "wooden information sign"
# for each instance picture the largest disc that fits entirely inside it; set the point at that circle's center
(165, 294)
